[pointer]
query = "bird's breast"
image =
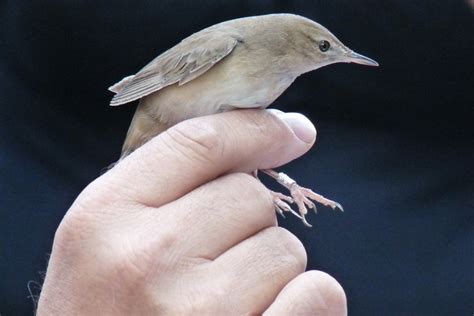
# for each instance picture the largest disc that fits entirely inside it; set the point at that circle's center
(262, 91)
(223, 88)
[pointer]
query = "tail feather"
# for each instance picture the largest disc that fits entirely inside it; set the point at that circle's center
(116, 88)
(143, 127)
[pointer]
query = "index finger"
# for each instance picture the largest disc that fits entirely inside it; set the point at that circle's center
(198, 150)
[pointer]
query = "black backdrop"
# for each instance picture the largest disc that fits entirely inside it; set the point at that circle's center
(395, 143)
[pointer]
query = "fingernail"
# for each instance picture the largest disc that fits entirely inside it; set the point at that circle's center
(301, 126)
(275, 111)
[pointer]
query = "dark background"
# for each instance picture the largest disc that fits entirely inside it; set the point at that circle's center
(395, 143)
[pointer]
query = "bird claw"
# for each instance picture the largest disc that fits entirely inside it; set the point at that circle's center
(302, 197)
(310, 204)
(339, 206)
(280, 201)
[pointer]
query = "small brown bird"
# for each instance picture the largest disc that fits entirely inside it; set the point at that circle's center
(238, 64)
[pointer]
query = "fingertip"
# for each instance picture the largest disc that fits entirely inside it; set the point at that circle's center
(310, 293)
(331, 291)
(301, 126)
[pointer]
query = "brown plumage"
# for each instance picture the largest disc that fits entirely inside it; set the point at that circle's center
(242, 63)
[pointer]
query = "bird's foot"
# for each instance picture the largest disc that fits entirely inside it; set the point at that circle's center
(302, 197)
(280, 201)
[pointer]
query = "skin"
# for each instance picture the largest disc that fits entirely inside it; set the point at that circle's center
(180, 227)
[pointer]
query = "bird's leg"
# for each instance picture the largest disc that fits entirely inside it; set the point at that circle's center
(280, 201)
(299, 195)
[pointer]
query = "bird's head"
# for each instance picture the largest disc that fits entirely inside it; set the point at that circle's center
(318, 47)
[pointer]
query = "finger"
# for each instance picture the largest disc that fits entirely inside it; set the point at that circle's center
(228, 209)
(254, 271)
(198, 150)
(310, 293)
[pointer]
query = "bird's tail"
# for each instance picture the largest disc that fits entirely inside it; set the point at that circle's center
(143, 127)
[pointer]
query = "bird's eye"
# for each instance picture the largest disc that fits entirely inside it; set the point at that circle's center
(324, 45)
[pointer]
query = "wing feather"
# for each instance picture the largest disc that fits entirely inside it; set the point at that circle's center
(180, 64)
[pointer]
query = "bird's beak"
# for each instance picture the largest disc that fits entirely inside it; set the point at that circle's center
(353, 57)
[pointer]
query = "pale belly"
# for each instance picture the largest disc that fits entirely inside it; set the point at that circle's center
(207, 96)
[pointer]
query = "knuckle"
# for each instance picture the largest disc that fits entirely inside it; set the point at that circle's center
(99, 196)
(247, 187)
(93, 210)
(195, 141)
(120, 254)
(74, 231)
(79, 227)
(135, 259)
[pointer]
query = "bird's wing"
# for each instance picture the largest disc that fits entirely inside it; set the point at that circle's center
(180, 64)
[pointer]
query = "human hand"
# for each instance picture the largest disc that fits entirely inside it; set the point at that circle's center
(180, 227)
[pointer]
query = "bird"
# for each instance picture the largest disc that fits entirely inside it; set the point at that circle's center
(244, 63)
